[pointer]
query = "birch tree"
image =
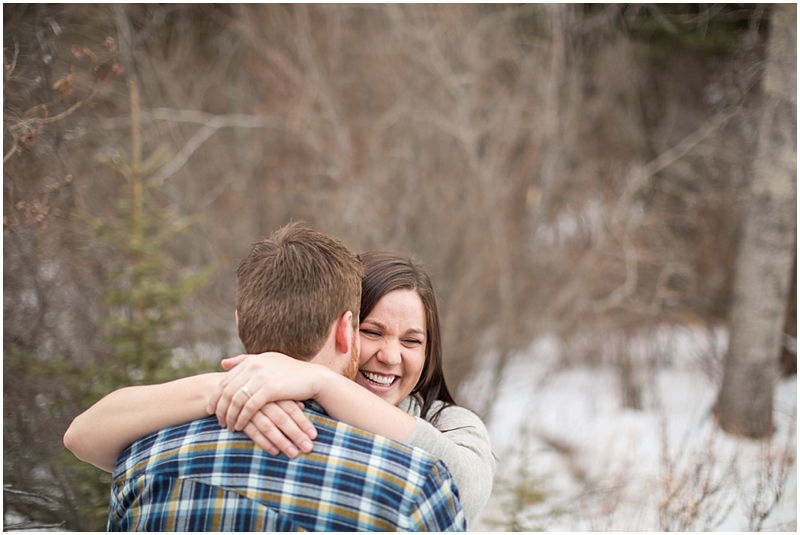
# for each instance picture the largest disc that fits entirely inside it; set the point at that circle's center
(767, 247)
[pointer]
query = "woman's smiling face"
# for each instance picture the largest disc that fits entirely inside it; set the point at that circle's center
(393, 339)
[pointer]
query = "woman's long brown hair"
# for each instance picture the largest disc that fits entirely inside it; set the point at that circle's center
(386, 271)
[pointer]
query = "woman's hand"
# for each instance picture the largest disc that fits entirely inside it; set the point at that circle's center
(281, 427)
(268, 377)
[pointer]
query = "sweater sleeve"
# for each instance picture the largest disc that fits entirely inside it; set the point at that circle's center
(460, 439)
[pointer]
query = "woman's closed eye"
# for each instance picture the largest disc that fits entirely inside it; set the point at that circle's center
(369, 332)
(412, 342)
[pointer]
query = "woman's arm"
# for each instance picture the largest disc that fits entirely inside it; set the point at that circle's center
(273, 376)
(460, 439)
(100, 434)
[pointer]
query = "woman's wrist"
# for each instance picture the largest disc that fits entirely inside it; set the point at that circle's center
(320, 379)
(343, 399)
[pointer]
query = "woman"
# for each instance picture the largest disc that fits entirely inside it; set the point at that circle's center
(399, 392)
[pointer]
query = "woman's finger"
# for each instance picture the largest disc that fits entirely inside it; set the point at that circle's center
(258, 437)
(229, 364)
(232, 362)
(293, 424)
(290, 423)
(295, 410)
(246, 392)
(242, 405)
(238, 395)
(221, 397)
(270, 421)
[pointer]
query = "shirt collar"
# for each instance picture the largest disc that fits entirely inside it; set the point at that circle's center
(313, 406)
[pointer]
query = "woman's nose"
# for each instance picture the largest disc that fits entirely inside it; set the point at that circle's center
(389, 354)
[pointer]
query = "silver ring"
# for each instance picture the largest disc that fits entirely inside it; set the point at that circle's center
(246, 391)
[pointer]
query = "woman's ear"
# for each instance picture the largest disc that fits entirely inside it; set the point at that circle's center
(236, 315)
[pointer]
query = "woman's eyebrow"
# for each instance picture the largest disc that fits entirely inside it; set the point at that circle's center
(375, 323)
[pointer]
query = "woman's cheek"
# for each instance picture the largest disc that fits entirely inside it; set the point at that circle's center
(419, 364)
(365, 350)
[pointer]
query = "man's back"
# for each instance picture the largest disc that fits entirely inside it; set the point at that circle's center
(200, 477)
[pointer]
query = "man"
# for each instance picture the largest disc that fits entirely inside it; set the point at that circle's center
(298, 293)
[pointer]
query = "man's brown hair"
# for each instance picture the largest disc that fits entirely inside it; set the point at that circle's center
(291, 288)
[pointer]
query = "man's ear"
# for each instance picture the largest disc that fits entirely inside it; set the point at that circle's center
(344, 333)
(236, 315)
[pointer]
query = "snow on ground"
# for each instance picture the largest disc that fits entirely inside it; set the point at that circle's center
(571, 459)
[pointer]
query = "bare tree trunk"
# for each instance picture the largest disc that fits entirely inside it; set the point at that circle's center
(766, 251)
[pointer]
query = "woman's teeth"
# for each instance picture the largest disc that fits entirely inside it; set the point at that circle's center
(381, 380)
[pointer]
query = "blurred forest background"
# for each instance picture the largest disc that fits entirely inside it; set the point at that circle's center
(575, 170)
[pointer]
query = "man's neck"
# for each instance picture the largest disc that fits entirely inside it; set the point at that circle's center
(330, 358)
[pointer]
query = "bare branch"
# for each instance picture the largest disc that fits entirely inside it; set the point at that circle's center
(186, 151)
(10, 490)
(32, 125)
(29, 526)
(687, 143)
(11, 151)
(212, 124)
(195, 117)
(631, 278)
(662, 19)
(10, 69)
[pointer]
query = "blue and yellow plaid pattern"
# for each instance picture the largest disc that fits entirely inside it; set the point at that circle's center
(201, 477)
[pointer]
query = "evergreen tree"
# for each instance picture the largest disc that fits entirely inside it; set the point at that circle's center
(147, 294)
(144, 305)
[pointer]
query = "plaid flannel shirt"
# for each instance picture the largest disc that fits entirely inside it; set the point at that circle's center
(201, 477)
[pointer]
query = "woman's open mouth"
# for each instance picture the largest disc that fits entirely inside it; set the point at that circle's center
(379, 379)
